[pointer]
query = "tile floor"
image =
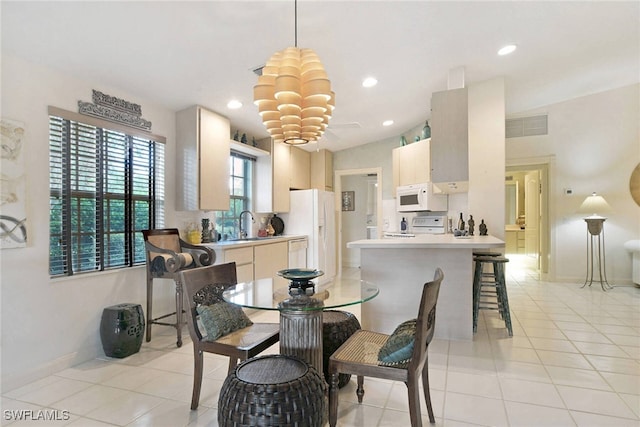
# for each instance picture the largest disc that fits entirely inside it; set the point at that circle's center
(574, 360)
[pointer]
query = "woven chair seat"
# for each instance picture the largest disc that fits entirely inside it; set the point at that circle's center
(363, 348)
(272, 390)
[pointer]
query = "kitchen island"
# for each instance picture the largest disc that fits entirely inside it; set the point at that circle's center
(400, 266)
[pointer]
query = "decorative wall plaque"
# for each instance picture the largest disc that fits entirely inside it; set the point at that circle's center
(116, 103)
(115, 110)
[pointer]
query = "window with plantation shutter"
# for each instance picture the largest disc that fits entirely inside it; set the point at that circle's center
(106, 186)
(240, 185)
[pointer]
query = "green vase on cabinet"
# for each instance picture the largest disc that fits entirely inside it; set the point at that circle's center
(426, 130)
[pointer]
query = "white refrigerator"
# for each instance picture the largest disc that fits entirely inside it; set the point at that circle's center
(312, 213)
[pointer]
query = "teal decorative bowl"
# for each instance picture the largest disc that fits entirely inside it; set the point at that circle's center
(300, 277)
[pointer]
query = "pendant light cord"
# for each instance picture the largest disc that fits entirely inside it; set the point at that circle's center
(295, 20)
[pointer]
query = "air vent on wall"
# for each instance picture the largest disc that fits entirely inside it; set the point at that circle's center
(526, 126)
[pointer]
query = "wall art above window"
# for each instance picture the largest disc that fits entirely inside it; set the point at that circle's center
(115, 110)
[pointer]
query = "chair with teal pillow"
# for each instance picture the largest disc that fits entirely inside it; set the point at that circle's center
(226, 330)
(401, 356)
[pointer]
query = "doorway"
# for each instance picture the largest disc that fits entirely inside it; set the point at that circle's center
(527, 202)
(361, 218)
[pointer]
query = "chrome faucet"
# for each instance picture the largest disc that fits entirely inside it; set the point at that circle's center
(241, 233)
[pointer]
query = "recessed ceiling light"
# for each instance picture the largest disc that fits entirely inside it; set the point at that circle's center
(369, 82)
(387, 123)
(506, 50)
(234, 104)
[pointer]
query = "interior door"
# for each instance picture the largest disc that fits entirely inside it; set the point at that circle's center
(532, 214)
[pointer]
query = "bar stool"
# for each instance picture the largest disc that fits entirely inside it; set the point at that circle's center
(490, 289)
(486, 253)
(478, 253)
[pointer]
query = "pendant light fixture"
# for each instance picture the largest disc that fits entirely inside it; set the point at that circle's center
(294, 95)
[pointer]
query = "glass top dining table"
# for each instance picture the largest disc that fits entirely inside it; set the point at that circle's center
(301, 315)
(261, 294)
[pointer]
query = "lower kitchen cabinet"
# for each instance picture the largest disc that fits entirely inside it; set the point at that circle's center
(243, 257)
(259, 261)
(514, 241)
(269, 259)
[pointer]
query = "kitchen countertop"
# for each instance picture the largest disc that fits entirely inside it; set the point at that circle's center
(252, 241)
(436, 241)
(513, 227)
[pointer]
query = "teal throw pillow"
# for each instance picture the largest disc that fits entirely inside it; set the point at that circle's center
(398, 349)
(222, 318)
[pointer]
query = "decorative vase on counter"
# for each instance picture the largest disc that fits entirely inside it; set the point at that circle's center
(193, 234)
(403, 141)
(483, 228)
(460, 223)
(206, 231)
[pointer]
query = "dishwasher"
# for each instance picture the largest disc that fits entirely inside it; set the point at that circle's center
(298, 253)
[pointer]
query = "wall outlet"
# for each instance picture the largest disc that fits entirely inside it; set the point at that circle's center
(567, 191)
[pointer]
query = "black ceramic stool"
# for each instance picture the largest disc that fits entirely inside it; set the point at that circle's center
(273, 390)
(122, 329)
(490, 289)
(337, 327)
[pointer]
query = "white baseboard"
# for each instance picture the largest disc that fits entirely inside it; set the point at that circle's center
(11, 381)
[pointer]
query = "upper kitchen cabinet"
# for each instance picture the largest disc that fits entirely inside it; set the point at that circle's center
(322, 170)
(287, 168)
(202, 160)
(273, 180)
(450, 140)
(300, 169)
(411, 163)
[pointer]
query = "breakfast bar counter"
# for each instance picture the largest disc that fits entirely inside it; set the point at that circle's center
(400, 266)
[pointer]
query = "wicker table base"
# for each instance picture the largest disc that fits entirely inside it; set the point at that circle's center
(272, 390)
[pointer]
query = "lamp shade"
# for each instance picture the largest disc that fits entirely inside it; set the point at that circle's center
(594, 205)
(294, 96)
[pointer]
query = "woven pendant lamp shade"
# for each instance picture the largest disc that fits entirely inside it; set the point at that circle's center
(294, 96)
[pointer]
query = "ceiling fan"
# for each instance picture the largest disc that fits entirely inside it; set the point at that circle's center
(330, 132)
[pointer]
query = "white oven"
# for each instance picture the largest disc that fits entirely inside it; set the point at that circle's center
(428, 224)
(418, 198)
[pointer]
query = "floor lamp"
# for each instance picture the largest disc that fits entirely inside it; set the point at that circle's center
(595, 205)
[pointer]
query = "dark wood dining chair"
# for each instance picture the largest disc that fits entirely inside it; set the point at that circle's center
(167, 254)
(204, 286)
(359, 356)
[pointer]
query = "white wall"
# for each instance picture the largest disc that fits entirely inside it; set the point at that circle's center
(595, 143)
(486, 195)
(48, 325)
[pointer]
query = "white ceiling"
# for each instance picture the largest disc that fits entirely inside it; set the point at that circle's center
(183, 53)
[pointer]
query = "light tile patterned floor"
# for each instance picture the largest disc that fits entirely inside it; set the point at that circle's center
(574, 360)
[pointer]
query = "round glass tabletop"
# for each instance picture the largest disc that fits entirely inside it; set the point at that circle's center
(260, 294)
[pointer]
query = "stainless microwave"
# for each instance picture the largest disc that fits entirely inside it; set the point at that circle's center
(419, 197)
